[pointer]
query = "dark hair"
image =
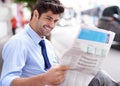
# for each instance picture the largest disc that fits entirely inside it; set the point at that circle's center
(42, 6)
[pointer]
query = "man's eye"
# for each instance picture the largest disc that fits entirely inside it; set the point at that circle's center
(49, 19)
(56, 21)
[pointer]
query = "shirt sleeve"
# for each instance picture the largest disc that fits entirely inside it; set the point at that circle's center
(13, 55)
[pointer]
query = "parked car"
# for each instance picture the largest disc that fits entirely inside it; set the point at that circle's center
(5, 28)
(110, 20)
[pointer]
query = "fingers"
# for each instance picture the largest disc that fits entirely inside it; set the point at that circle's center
(56, 74)
(59, 79)
(61, 74)
(62, 67)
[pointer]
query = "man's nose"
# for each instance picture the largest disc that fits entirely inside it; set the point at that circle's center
(52, 24)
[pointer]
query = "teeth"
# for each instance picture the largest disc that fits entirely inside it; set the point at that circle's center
(47, 28)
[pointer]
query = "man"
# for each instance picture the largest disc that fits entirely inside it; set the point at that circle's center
(23, 60)
(25, 65)
(14, 24)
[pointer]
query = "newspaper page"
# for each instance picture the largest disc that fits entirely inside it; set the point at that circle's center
(85, 57)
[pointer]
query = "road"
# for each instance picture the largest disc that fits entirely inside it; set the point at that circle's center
(63, 38)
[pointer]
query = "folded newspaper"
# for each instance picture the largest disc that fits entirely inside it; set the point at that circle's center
(85, 57)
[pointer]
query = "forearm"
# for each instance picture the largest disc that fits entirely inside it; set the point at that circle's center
(37, 80)
(52, 77)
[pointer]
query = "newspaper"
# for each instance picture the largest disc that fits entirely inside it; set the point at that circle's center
(85, 57)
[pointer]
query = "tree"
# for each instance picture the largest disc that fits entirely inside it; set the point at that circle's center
(30, 3)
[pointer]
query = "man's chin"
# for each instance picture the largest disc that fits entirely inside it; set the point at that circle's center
(48, 36)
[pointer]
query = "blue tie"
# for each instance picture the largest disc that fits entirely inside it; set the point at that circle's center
(44, 53)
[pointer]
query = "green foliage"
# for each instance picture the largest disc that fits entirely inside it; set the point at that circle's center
(30, 3)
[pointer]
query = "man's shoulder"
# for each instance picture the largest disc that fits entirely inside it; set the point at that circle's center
(18, 38)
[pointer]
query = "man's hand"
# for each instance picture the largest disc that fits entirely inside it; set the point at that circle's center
(55, 75)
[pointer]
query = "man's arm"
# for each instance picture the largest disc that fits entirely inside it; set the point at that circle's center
(54, 76)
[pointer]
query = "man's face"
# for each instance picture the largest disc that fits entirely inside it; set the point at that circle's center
(46, 23)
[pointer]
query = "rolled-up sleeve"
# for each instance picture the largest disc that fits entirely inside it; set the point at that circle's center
(14, 60)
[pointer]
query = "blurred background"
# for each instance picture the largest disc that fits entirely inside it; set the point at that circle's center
(14, 14)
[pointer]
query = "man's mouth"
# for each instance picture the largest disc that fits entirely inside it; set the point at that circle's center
(47, 28)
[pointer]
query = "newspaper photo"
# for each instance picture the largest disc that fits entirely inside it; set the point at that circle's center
(85, 57)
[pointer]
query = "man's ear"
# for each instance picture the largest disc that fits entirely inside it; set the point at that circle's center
(35, 14)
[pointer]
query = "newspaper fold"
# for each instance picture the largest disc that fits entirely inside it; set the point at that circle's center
(85, 57)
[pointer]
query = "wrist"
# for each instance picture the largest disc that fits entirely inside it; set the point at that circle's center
(43, 79)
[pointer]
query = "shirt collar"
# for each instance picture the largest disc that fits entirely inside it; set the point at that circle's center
(33, 35)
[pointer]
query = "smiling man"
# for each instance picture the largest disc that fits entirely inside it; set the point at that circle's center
(29, 58)
(25, 61)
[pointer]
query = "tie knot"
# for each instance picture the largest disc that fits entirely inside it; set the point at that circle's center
(42, 43)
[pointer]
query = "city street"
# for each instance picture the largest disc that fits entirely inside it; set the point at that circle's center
(63, 38)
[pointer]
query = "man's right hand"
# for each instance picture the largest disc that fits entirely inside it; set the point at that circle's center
(55, 75)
